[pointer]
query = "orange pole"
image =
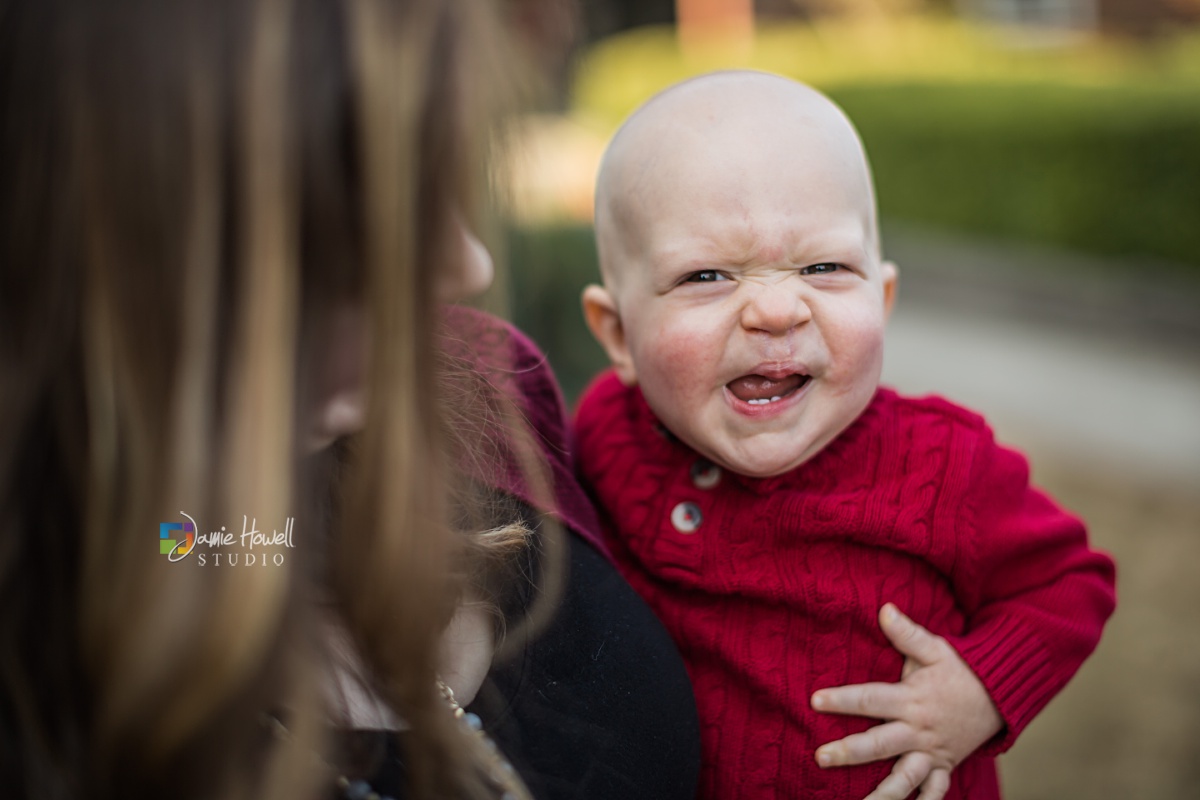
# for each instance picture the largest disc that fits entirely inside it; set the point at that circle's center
(715, 20)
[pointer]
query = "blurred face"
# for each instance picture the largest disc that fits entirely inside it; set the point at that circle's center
(339, 406)
(752, 303)
(472, 274)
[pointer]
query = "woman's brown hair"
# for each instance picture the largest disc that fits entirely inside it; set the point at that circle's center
(186, 190)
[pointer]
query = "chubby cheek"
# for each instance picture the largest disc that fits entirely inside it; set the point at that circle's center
(856, 350)
(676, 360)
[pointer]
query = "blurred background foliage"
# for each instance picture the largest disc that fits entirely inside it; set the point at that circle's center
(1074, 139)
(1093, 145)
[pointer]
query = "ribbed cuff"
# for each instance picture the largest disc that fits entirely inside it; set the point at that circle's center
(1012, 662)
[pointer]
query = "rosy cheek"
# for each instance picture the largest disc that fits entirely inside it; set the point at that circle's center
(682, 352)
(856, 348)
(864, 339)
(854, 322)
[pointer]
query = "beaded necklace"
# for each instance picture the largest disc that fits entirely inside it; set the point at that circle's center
(500, 771)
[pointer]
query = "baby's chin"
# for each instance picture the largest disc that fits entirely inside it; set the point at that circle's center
(757, 463)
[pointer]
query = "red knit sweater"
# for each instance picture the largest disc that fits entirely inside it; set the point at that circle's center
(772, 587)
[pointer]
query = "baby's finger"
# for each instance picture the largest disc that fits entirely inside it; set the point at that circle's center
(876, 700)
(908, 637)
(876, 744)
(909, 773)
(936, 785)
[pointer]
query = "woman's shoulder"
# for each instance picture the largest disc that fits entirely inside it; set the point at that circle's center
(509, 360)
(499, 359)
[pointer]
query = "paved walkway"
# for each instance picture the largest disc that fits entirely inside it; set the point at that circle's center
(1087, 360)
(1098, 379)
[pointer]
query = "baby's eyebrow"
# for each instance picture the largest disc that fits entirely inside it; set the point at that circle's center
(716, 257)
(680, 259)
(746, 259)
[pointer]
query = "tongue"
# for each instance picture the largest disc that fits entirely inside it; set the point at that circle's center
(756, 387)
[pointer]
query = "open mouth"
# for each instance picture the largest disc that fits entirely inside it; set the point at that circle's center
(759, 390)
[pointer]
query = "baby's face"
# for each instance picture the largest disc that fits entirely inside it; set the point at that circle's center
(752, 299)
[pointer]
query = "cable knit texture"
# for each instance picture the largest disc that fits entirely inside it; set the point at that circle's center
(776, 591)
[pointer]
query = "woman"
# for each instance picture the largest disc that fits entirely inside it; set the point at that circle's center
(225, 228)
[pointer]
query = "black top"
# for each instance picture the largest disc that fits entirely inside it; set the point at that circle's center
(598, 706)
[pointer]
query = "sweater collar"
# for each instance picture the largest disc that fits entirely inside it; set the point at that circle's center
(849, 444)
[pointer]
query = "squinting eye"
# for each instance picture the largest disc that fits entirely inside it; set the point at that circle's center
(820, 269)
(705, 276)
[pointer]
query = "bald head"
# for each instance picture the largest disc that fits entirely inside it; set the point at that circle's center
(721, 137)
(744, 293)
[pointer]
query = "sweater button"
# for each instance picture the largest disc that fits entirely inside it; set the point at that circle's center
(686, 517)
(705, 474)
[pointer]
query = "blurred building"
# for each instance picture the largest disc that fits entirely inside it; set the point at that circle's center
(602, 17)
(1079, 15)
(1129, 17)
(1147, 17)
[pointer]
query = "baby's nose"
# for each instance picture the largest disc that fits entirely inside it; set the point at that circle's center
(774, 309)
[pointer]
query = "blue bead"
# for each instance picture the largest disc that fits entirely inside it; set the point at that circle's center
(358, 790)
(473, 721)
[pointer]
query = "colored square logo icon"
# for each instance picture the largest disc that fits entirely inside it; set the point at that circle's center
(168, 540)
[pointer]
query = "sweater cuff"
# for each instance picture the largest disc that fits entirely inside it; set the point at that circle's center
(1015, 667)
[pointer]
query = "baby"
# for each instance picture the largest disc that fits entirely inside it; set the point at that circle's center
(771, 501)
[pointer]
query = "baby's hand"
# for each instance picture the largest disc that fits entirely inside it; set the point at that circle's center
(936, 716)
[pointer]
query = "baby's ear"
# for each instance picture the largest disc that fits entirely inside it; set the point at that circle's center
(600, 312)
(891, 285)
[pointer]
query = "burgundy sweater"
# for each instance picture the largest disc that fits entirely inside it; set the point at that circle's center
(772, 587)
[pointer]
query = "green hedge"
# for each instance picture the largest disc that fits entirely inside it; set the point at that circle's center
(1094, 147)
(550, 267)
(1107, 170)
